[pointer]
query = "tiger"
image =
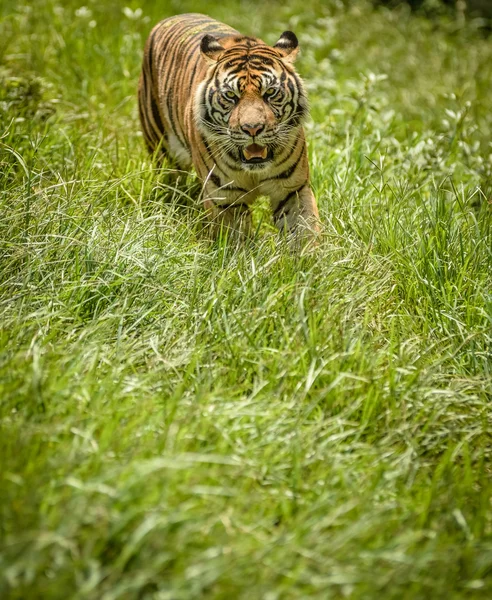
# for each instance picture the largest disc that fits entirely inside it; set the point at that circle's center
(232, 108)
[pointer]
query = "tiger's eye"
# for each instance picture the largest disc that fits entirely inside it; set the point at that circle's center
(270, 91)
(230, 94)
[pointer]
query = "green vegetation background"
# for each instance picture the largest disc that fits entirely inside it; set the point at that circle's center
(183, 418)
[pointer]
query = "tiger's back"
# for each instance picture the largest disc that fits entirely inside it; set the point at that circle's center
(171, 71)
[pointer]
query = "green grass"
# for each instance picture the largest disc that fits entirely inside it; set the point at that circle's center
(183, 418)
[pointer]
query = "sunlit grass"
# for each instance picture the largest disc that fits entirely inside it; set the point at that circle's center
(185, 418)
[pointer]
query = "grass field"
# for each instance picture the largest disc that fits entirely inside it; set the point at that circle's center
(183, 418)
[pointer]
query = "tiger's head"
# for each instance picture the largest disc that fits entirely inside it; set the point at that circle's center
(252, 102)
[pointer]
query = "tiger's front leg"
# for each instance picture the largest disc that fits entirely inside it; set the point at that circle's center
(298, 213)
(232, 218)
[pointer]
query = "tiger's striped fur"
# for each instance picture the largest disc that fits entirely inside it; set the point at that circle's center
(231, 107)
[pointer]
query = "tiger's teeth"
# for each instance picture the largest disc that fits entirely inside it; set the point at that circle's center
(255, 151)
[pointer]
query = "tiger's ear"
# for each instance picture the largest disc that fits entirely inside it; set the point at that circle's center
(211, 49)
(288, 46)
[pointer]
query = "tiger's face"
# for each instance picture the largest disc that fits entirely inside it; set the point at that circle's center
(252, 102)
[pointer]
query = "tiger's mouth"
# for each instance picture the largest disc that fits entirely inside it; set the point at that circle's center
(256, 154)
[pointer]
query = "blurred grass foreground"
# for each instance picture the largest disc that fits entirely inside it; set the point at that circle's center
(183, 418)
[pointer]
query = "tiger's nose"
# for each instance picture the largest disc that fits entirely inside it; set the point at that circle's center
(253, 129)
